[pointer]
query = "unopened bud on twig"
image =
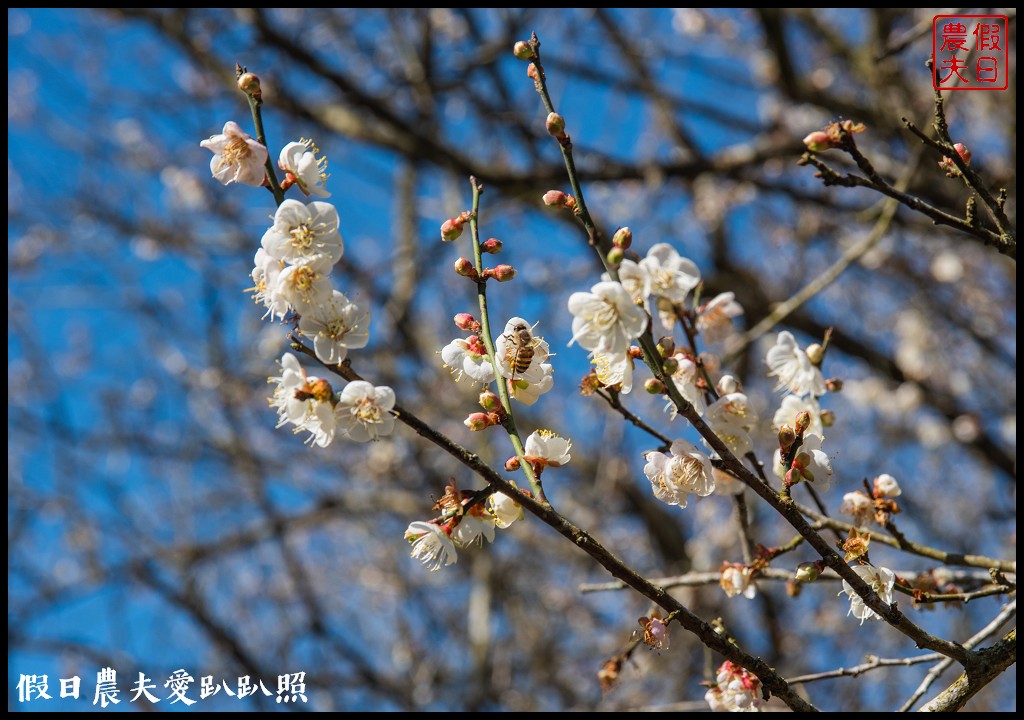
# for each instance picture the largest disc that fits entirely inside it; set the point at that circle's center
(522, 50)
(834, 384)
(818, 141)
(477, 421)
(512, 464)
(815, 353)
(467, 322)
(555, 125)
(464, 267)
(622, 238)
(654, 386)
(808, 572)
(491, 246)
(803, 421)
(615, 256)
(670, 365)
(502, 273)
(489, 401)
(451, 229)
(666, 347)
(249, 84)
(786, 438)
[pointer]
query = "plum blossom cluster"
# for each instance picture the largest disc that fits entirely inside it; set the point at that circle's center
(292, 276)
(877, 504)
(734, 690)
(465, 522)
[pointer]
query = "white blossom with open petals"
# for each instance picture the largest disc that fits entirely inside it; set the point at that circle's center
(237, 156)
(605, 318)
(670, 275)
(543, 447)
(634, 279)
(305, 401)
(792, 406)
(364, 411)
(676, 476)
(431, 544)
(264, 276)
(473, 530)
(732, 417)
(613, 369)
(881, 581)
(860, 507)
(302, 233)
(509, 351)
(304, 287)
(793, 368)
(886, 486)
(714, 318)
(468, 357)
(738, 580)
(505, 510)
(299, 159)
(336, 326)
(528, 393)
(735, 690)
(811, 462)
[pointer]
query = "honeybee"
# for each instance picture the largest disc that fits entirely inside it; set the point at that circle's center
(522, 350)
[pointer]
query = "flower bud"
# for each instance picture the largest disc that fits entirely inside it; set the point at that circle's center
(635, 352)
(477, 421)
(808, 572)
(654, 386)
(833, 384)
(670, 365)
(818, 141)
(793, 588)
(512, 464)
(451, 229)
(489, 401)
(503, 273)
(666, 347)
(491, 245)
(531, 72)
(555, 197)
(249, 84)
(727, 385)
(815, 353)
(886, 486)
(522, 50)
(963, 152)
(464, 267)
(803, 421)
(622, 238)
(555, 125)
(786, 438)
(467, 322)
(828, 418)
(616, 256)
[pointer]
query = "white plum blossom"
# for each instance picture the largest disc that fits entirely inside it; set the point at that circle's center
(431, 544)
(860, 506)
(299, 159)
(605, 318)
(473, 530)
(886, 486)
(336, 326)
(685, 378)
(613, 369)
(669, 274)
(881, 581)
(265, 275)
(545, 448)
(792, 406)
(732, 417)
(793, 368)
(714, 318)
(735, 690)
(510, 350)
(634, 279)
(676, 476)
(738, 580)
(811, 463)
(237, 157)
(504, 509)
(304, 401)
(468, 357)
(364, 411)
(304, 286)
(302, 233)
(527, 393)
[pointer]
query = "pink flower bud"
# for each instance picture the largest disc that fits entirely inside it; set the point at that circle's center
(489, 401)
(467, 322)
(963, 152)
(477, 421)
(615, 256)
(512, 464)
(555, 125)
(555, 197)
(503, 273)
(622, 238)
(654, 386)
(464, 267)
(531, 72)
(491, 245)
(818, 141)
(451, 229)
(522, 50)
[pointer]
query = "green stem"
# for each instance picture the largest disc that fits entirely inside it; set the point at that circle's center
(509, 422)
(261, 137)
